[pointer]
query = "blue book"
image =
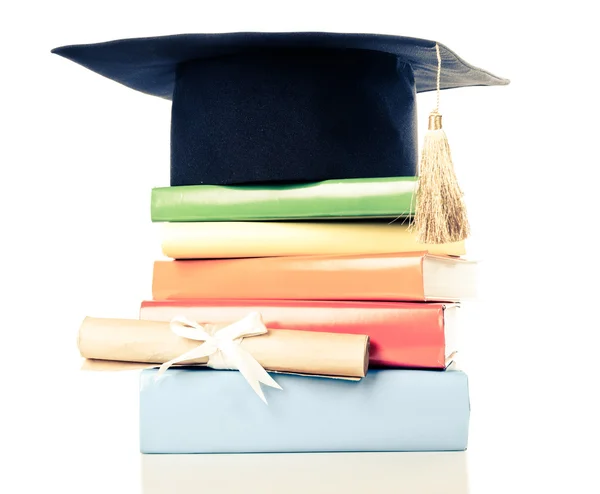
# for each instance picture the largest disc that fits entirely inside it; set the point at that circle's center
(215, 411)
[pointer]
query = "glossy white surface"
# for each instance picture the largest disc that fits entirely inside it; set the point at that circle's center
(89, 150)
(320, 474)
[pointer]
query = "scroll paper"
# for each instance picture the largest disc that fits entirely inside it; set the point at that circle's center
(150, 342)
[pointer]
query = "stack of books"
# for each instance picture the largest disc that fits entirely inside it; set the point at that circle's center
(355, 276)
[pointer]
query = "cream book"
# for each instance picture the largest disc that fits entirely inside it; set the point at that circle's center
(218, 240)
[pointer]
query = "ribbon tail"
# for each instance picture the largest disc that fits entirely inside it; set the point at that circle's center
(255, 385)
(266, 378)
(201, 351)
(252, 371)
(258, 370)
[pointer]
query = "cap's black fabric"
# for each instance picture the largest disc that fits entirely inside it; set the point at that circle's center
(273, 107)
(304, 116)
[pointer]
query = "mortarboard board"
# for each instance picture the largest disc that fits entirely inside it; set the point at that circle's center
(285, 107)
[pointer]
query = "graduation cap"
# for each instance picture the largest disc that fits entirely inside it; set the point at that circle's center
(261, 108)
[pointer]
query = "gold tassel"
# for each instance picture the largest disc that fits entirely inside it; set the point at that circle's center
(440, 215)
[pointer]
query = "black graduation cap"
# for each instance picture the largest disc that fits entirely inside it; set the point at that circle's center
(284, 107)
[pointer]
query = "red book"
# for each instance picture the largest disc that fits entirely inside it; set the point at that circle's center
(415, 335)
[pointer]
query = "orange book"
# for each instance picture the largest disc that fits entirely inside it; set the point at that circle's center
(414, 276)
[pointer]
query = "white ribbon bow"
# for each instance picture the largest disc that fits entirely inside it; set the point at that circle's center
(222, 347)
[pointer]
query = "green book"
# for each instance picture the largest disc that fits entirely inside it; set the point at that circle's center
(330, 199)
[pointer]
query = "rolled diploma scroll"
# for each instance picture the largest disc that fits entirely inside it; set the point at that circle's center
(281, 350)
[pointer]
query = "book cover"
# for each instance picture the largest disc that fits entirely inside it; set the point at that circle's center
(232, 239)
(210, 411)
(414, 276)
(344, 198)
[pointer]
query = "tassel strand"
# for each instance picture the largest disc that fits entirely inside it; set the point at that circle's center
(441, 215)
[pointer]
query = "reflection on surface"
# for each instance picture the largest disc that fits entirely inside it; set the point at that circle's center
(415, 473)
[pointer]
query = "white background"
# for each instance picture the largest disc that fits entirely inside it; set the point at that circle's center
(79, 155)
